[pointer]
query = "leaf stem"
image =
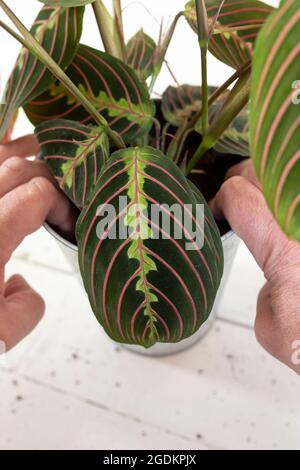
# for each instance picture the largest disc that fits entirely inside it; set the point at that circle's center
(202, 23)
(204, 90)
(225, 29)
(107, 30)
(229, 82)
(120, 27)
(38, 51)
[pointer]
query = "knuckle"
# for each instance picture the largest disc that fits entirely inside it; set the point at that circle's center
(40, 187)
(233, 184)
(15, 165)
(230, 191)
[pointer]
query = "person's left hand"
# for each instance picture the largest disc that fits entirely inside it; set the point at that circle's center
(28, 196)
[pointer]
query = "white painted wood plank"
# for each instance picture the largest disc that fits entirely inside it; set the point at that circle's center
(226, 389)
(36, 417)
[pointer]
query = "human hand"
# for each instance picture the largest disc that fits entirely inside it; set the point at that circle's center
(28, 197)
(242, 204)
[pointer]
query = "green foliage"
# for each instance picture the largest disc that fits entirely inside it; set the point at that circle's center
(274, 117)
(110, 85)
(145, 289)
(142, 288)
(58, 30)
(232, 46)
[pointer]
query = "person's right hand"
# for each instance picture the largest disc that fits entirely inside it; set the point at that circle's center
(28, 197)
(277, 325)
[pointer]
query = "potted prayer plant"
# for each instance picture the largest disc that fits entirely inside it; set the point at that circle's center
(117, 153)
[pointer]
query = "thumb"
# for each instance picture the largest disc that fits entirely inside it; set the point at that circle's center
(20, 311)
(243, 205)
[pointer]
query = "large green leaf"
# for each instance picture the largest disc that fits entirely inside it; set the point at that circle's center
(274, 116)
(141, 53)
(66, 3)
(142, 288)
(75, 155)
(110, 85)
(234, 48)
(59, 31)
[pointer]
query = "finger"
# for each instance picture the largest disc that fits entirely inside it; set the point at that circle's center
(17, 171)
(245, 169)
(242, 204)
(26, 146)
(25, 209)
(20, 312)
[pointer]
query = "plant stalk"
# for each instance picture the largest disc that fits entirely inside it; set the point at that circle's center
(204, 90)
(120, 27)
(203, 36)
(38, 51)
(235, 28)
(107, 30)
(229, 82)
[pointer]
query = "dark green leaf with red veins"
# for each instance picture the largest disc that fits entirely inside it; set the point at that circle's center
(66, 3)
(235, 139)
(275, 115)
(246, 17)
(111, 86)
(140, 54)
(75, 155)
(59, 31)
(145, 287)
(180, 104)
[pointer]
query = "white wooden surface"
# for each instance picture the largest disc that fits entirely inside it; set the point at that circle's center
(67, 386)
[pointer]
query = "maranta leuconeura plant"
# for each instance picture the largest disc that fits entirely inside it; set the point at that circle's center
(106, 140)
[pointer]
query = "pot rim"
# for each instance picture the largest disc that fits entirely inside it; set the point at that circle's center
(74, 247)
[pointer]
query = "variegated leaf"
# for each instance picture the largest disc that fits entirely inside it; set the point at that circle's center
(140, 54)
(275, 115)
(110, 85)
(179, 104)
(235, 139)
(59, 31)
(75, 155)
(145, 284)
(244, 18)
